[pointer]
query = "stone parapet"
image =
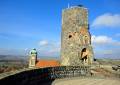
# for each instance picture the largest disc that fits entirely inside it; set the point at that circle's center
(41, 75)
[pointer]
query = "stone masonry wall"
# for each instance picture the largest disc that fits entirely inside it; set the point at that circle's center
(76, 46)
(43, 76)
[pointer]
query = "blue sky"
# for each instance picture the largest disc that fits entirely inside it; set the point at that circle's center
(27, 24)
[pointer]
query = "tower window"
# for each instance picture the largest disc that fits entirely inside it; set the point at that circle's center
(84, 50)
(70, 36)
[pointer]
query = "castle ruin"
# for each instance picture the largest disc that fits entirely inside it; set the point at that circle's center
(76, 46)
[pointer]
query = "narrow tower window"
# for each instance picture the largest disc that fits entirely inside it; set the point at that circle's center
(70, 36)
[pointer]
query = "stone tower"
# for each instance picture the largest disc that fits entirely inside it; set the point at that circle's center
(32, 58)
(76, 46)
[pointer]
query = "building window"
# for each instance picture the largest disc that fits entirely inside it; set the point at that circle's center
(70, 36)
(86, 40)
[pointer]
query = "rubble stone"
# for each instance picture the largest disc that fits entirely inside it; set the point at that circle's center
(76, 46)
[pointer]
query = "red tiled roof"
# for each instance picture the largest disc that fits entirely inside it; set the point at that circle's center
(47, 63)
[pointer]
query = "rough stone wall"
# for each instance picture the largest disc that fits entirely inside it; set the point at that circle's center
(44, 76)
(76, 46)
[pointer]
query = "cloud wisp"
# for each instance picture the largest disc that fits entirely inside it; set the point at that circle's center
(105, 47)
(49, 48)
(107, 20)
(104, 40)
(43, 43)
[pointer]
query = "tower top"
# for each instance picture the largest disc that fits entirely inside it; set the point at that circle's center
(76, 6)
(80, 5)
(33, 51)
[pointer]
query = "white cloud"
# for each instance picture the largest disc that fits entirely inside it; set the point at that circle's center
(107, 20)
(101, 39)
(43, 43)
(105, 47)
(104, 40)
(49, 48)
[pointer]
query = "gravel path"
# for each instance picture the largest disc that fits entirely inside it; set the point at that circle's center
(86, 81)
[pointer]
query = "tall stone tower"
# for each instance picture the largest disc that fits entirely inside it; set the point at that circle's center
(32, 58)
(76, 46)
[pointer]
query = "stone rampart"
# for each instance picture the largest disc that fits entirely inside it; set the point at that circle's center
(42, 75)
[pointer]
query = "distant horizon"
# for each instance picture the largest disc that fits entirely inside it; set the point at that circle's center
(51, 57)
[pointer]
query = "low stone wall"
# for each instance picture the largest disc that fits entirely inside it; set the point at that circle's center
(43, 75)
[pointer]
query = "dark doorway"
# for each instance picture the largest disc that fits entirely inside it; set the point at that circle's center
(84, 55)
